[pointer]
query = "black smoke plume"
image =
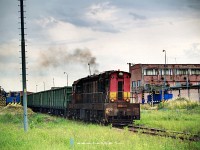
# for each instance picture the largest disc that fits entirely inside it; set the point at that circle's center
(56, 57)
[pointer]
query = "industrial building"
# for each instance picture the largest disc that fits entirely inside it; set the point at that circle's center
(145, 77)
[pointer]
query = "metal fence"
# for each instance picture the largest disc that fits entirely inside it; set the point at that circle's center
(2, 101)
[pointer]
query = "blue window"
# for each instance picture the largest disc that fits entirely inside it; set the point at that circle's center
(139, 83)
(134, 84)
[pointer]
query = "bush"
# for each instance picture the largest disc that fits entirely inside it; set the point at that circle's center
(145, 106)
(179, 103)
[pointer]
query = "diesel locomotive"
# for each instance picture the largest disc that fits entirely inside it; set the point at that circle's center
(102, 98)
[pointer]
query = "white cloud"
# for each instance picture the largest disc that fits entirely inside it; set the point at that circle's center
(65, 32)
(45, 22)
(10, 53)
(10, 65)
(102, 12)
(115, 32)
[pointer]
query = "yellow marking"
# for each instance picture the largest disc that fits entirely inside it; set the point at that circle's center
(113, 95)
(126, 95)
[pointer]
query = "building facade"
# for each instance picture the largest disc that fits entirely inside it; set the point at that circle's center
(144, 77)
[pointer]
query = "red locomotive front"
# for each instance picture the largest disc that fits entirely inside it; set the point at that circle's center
(119, 110)
(119, 89)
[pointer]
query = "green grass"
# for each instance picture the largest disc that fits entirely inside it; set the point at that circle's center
(177, 115)
(52, 133)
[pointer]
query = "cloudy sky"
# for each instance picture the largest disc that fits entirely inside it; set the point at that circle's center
(66, 35)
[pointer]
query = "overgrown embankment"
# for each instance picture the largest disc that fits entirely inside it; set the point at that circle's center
(14, 109)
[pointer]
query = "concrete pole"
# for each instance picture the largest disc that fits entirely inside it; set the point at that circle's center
(67, 77)
(44, 85)
(53, 83)
(188, 89)
(151, 96)
(164, 76)
(23, 56)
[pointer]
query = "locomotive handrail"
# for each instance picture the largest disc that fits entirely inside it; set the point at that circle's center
(93, 97)
(92, 93)
(102, 96)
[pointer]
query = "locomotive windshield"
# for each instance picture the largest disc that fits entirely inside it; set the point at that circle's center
(120, 90)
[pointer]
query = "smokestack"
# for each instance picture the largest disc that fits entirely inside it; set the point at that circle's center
(89, 69)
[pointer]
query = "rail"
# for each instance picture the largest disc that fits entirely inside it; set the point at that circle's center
(164, 133)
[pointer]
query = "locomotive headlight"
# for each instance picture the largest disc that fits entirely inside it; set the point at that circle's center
(109, 110)
(120, 74)
(112, 100)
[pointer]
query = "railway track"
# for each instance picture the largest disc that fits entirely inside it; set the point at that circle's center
(164, 133)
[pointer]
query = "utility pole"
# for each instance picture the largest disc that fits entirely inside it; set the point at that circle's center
(152, 95)
(53, 83)
(23, 56)
(44, 85)
(164, 77)
(188, 89)
(67, 77)
(36, 88)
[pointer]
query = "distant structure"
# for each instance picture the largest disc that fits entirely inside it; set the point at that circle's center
(144, 77)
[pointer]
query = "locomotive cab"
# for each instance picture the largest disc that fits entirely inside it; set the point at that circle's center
(119, 87)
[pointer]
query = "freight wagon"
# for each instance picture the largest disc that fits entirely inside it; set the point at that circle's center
(53, 101)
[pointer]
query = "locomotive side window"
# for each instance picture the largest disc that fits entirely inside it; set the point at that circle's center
(78, 89)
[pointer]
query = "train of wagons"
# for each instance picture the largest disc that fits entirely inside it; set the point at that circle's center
(102, 98)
